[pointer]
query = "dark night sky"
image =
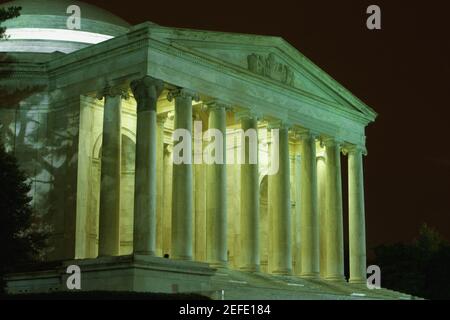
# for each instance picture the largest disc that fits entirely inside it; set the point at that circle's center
(401, 71)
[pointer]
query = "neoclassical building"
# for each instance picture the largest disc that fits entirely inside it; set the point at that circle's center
(90, 114)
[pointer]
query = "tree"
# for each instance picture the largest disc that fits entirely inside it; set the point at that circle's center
(6, 14)
(419, 268)
(22, 236)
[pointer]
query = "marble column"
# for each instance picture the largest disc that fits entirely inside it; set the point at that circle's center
(334, 219)
(109, 219)
(200, 212)
(267, 228)
(308, 207)
(199, 192)
(234, 202)
(216, 189)
(167, 199)
(249, 260)
(161, 120)
(146, 92)
(280, 202)
(182, 193)
(322, 204)
(356, 216)
(297, 226)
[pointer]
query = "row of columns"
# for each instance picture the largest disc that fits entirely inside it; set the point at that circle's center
(146, 91)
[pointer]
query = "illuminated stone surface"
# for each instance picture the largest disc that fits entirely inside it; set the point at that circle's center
(51, 119)
(42, 27)
(310, 264)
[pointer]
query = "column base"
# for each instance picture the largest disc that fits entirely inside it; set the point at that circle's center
(282, 272)
(184, 258)
(106, 255)
(145, 253)
(310, 275)
(360, 281)
(335, 278)
(219, 264)
(251, 268)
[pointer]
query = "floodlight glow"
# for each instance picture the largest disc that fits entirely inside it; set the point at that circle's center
(56, 34)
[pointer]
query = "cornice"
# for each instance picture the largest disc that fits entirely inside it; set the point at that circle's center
(23, 70)
(129, 42)
(142, 37)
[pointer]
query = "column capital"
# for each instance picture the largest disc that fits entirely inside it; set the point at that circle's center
(247, 114)
(182, 93)
(217, 104)
(304, 134)
(353, 149)
(279, 124)
(330, 142)
(161, 118)
(146, 91)
(113, 91)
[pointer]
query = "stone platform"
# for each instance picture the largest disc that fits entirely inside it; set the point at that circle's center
(138, 273)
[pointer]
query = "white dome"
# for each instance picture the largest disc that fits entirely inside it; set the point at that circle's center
(42, 26)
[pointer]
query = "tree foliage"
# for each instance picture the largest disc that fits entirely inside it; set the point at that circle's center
(6, 14)
(22, 235)
(419, 268)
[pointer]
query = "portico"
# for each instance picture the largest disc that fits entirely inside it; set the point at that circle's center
(177, 108)
(136, 186)
(186, 106)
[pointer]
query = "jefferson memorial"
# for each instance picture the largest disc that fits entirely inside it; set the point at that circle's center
(90, 114)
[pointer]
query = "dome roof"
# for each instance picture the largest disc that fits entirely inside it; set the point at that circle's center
(53, 14)
(45, 22)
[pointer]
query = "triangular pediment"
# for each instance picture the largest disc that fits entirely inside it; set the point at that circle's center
(270, 58)
(265, 62)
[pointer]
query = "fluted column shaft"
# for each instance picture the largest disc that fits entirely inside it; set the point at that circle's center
(322, 205)
(280, 203)
(309, 208)
(109, 218)
(182, 193)
(161, 120)
(334, 223)
(357, 230)
(200, 212)
(146, 92)
(297, 249)
(216, 191)
(250, 260)
(167, 199)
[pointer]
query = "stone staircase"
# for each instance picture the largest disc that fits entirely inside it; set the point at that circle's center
(231, 284)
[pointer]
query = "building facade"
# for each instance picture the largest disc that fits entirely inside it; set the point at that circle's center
(91, 114)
